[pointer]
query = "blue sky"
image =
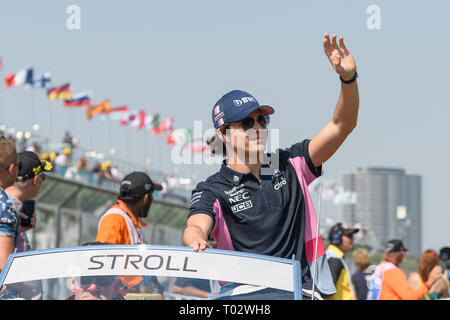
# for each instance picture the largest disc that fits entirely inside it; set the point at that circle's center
(179, 57)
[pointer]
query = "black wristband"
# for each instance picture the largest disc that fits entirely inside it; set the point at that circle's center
(353, 79)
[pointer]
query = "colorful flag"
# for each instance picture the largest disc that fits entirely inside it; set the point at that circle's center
(117, 109)
(21, 77)
(139, 121)
(153, 122)
(115, 113)
(179, 136)
(43, 81)
(197, 145)
(60, 93)
(98, 108)
(82, 98)
(164, 126)
(128, 117)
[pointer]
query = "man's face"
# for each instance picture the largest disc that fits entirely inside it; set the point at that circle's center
(347, 243)
(95, 287)
(249, 136)
(37, 184)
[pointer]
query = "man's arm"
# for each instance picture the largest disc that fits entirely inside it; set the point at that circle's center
(345, 115)
(6, 248)
(396, 279)
(197, 230)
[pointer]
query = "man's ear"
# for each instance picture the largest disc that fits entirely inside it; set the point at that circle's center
(11, 168)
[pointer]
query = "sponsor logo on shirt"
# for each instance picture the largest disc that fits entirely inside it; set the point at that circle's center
(195, 198)
(242, 206)
(280, 184)
(239, 197)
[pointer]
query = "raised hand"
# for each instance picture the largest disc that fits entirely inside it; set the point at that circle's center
(340, 57)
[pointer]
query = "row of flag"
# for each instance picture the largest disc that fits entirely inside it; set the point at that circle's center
(139, 119)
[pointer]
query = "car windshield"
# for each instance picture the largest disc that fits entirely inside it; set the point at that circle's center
(144, 272)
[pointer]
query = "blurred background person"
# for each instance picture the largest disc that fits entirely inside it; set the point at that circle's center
(82, 164)
(389, 282)
(361, 277)
(444, 256)
(427, 261)
(9, 168)
(31, 176)
(95, 288)
(341, 242)
(63, 159)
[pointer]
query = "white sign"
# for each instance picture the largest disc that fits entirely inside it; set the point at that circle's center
(146, 260)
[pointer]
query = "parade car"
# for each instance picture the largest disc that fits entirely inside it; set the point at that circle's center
(147, 272)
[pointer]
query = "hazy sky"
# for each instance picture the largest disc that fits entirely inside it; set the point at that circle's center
(179, 57)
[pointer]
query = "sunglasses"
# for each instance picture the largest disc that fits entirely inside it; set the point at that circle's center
(249, 122)
(102, 281)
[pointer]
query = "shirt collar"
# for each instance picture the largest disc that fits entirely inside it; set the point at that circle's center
(336, 250)
(137, 222)
(231, 175)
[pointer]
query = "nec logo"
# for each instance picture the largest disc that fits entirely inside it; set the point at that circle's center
(242, 206)
(278, 185)
(239, 102)
(239, 197)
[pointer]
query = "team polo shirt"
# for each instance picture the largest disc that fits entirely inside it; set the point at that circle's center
(267, 217)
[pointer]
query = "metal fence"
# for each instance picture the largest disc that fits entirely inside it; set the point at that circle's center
(68, 212)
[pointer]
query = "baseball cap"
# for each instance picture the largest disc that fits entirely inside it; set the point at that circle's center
(234, 106)
(30, 165)
(444, 254)
(342, 229)
(395, 245)
(135, 185)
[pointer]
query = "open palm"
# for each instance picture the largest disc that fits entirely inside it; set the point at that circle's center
(340, 57)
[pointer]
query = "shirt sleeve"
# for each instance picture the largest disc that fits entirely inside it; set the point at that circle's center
(336, 267)
(114, 230)
(202, 201)
(298, 155)
(8, 217)
(397, 281)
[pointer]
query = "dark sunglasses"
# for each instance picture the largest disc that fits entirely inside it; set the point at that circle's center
(249, 122)
(102, 281)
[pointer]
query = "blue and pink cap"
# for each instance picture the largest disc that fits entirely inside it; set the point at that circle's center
(234, 106)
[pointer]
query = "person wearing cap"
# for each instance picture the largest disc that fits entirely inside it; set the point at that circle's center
(389, 282)
(258, 202)
(122, 224)
(9, 168)
(341, 242)
(29, 181)
(30, 177)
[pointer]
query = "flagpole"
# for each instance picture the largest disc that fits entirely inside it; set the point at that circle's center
(50, 120)
(317, 238)
(32, 106)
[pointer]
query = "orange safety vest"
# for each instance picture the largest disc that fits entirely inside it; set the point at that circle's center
(119, 226)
